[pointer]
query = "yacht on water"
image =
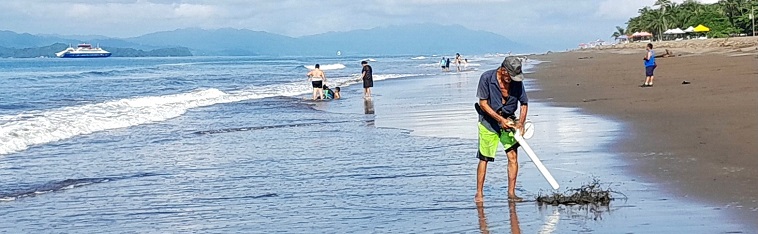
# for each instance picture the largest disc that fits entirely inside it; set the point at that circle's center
(83, 51)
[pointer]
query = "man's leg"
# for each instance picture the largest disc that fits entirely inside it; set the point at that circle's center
(314, 93)
(481, 173)
(488, 142)
(512, 174)
(651, 80)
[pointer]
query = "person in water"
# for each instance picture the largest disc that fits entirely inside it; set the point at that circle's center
(500, 92)
(368, 79)
(337, 93)
(458, 61)
(318, 80)
(331, 93)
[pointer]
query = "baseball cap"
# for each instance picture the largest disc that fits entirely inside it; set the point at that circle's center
(513, 65)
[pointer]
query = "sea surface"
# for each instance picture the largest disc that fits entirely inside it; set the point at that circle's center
(233, 144)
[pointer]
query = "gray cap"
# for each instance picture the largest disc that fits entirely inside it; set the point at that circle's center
(513, 65)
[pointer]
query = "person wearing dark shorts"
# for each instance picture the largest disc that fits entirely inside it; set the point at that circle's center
(318, 80)
(650, 66)
(500, 92)
(368, 79)
(317, 84)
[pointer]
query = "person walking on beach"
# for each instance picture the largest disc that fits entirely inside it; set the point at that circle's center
(500, 92)
(318, 80)
(368, 79)
(650, 66)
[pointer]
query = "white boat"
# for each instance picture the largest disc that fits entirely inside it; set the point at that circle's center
(83, 51)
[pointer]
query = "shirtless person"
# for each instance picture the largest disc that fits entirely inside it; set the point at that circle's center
(458, 61)
(318, 80)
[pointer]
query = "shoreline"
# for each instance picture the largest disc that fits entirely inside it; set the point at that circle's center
(574, 156)
(697, 140)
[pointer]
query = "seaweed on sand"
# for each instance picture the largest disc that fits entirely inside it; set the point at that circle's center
(591, 193)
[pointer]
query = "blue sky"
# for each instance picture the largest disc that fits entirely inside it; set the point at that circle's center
(549, 24)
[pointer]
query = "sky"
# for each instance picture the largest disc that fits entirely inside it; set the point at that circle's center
(545, 24)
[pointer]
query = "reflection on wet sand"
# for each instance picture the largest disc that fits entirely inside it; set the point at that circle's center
(551, 222)
(515, 228)
(482, 218)
(368, 106)
(549, 226)
(484, 228)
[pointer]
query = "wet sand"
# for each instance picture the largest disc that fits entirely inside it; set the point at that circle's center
(699, 140)
(574, 145)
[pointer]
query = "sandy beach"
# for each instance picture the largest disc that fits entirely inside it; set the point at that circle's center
(699, 139)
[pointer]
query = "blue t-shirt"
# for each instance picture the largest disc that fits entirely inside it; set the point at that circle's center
(650, 62)
(489, 90)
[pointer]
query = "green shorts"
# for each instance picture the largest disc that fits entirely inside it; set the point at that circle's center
(488, 141)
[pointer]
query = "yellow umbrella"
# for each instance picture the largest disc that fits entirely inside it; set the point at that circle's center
(701, 28)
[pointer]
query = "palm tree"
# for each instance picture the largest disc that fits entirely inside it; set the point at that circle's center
(732, 9)
(619, 32)
(664, 4)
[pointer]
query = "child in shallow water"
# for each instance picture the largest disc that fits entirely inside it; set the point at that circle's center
(331, 94)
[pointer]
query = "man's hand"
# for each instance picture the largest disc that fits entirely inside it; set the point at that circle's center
(506, 123)
(520, 127)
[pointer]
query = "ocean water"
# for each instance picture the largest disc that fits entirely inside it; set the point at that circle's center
(231, 144)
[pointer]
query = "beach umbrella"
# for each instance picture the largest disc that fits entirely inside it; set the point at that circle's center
(690, 29)
(701, 28)
(645, 34)
(676, 31)
(667, 31)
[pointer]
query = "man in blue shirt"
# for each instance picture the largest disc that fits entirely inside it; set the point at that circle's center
(500, 91)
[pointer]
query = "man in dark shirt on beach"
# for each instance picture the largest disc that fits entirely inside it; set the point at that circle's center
(368, 79)
(500, 91)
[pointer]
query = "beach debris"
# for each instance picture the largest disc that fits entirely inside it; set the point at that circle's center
(588, 194)
(668, 54)
(588, 57)
(685, 82)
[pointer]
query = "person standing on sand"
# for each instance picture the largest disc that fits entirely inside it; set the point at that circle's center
(368, 79)
(318, 80)
(500, 91)
(650, 66)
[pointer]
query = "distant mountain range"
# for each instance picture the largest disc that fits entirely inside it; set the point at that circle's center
(419, 39)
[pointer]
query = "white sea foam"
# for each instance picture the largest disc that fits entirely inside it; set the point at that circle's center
(419, 58)
(368, 60)
(335, 66)
(429, 65)
(21, 131)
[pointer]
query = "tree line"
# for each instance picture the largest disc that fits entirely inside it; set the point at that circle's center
(724, 18)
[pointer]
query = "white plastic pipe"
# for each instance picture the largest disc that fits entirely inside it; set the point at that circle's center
(536, 160)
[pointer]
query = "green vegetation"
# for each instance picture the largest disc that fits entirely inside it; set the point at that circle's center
(49, 51)
(725, 18)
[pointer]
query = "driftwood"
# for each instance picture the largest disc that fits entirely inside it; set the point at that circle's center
(666, 55)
